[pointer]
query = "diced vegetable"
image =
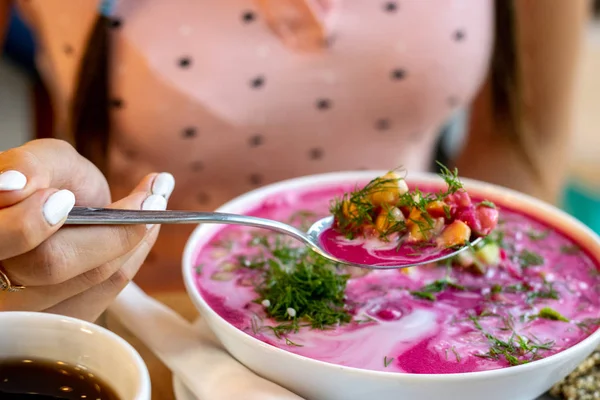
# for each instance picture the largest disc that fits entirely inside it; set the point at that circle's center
(455, 234)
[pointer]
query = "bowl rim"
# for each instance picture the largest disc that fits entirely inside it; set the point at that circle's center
(254, 197)
(41, 318)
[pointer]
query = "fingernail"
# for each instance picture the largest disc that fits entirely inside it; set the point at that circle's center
(154, 202)
(163, 184)
(58, 206)
(12, 180)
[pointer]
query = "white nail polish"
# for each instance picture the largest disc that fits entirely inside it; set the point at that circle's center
(163, 184)
(58, 206)
(154, 202)
(12, 180)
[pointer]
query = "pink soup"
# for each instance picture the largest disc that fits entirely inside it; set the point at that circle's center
(541, 298)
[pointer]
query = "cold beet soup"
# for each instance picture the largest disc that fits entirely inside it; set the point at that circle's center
(524, 293)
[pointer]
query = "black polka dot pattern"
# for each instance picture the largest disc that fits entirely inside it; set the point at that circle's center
(316, 153)
(382, 124)
(248, 17)
(323, 104)
(203, 198)
(398, 74)
(255, 179)
(391, 6)
(256, 140)
(189, 132)
(257, 82)
(185, 62)
(115, 23)
(197, 166)
(116, 103)
(459, 35)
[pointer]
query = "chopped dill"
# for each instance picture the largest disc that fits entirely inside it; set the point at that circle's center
(290, 343)
(428, 291)
(528, 258)
(424, 295)
(387, 361)
(549, 313)
(538, 235)
(364, 320)
(547, 292)
(516, 350)
(588, 324)
(488, 203)
(566, 249)
(456, 354)
(298, 279)
(451, 179)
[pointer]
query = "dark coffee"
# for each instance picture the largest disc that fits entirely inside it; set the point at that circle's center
(50, 380)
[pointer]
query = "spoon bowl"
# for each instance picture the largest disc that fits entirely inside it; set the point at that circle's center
(313, 238)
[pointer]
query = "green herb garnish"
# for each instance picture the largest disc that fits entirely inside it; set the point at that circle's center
(387, 361)
(488, 203)
(451, 179)
(456, 354)
(516, 350)
(424, 295)
(198, 268)
(587, 324)
(549, 313)
(570, 249)
(538, 235)
(428, 291)
(302, 288)
(547, 292)
(530, 259)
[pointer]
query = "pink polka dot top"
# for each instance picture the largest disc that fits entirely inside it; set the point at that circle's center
(232, 94)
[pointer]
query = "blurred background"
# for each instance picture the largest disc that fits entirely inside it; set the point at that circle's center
(18, 83)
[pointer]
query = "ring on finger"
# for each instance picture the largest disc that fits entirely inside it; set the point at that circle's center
(6, 285)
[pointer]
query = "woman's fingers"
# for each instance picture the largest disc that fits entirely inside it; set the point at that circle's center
(27, 224)
(50, 163)
(90, 304)
(39, 298)
(73, 251)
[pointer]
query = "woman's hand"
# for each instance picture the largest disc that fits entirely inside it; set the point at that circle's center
(76, 270)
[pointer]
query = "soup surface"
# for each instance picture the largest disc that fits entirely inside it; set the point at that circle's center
(527, 293)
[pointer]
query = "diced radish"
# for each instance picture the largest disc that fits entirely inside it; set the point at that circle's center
(461, 199)
(488, 219)
(469, 217)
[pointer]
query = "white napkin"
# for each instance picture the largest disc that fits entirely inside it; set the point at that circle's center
(200, 362)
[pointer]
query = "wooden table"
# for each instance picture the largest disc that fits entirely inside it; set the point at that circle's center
(162, 386)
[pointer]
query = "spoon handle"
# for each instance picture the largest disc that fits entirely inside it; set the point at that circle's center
(109, 216)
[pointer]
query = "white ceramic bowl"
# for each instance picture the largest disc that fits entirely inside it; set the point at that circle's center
(317, 380)
(31, 335)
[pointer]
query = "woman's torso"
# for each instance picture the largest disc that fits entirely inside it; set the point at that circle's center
(206, 91)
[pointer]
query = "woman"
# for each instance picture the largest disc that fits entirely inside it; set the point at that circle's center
(230, 95)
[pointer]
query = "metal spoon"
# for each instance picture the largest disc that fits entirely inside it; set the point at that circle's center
(108, 216)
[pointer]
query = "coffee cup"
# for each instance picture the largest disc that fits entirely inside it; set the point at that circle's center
(88, 349)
